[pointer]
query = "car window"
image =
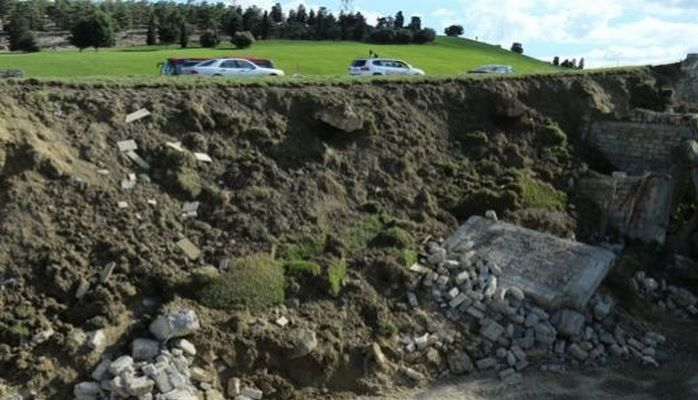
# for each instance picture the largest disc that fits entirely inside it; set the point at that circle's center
(190, 63)
(244, 64)
(359, 63)
(206, 63)
(263, 63)
(229, 64)
(379, 63)
(399, 64)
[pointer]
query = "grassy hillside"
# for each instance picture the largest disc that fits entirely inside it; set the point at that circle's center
(446, 56)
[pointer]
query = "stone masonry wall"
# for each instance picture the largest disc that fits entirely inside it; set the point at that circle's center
(638, 207)
(643, 142)
(687, 90)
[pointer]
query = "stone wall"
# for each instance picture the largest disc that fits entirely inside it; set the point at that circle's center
(638, 207)
(687, 89)
(642, 142)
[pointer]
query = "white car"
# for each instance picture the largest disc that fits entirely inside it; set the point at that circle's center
(382, 66)
(234, 67)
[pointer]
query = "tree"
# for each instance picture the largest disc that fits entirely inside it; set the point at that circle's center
(168, 29)
(425, 35)
(151, 37)
(277, 14)
(20, 37)
(301, 14)
(266, 26)
(399, 20)
(415, 24)
(209, 39)
(242, 40)
(232, 21)
(454, 30)
(184, 32)
(95, 30)
(556, 61)
(581, 63)
(517, 48)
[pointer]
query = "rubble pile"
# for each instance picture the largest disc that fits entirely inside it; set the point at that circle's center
(678, 301)
(160, 368)
(510, 331)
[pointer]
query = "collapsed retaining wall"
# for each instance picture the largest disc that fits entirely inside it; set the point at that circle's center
(642, 142)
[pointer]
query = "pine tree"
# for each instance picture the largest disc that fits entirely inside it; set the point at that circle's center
(151, 38)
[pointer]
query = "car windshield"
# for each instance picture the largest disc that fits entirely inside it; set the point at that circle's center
(358, 63)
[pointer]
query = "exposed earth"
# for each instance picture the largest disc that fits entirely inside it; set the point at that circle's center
(310, 180)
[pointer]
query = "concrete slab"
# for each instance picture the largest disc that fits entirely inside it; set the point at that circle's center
(135, 116)
(551, 271)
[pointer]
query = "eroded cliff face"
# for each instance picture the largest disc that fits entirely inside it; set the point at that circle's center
(361, 173)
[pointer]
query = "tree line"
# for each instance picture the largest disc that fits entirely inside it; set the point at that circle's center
(95, 24)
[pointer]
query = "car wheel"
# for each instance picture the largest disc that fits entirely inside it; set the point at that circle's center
(273, 75)
(377, 74)
(217, 75)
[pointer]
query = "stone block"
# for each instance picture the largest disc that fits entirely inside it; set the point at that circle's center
(144, 349)
(551, 271)
(175, 324)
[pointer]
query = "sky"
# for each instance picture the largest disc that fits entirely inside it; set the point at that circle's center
(607, 33)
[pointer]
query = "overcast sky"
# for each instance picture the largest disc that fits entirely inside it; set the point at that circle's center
(604, 32)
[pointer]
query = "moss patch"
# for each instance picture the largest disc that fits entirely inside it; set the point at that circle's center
(355, 237)
(394, 237)
(538, 194)
(335, 276)
(302, 268)
(253, 281)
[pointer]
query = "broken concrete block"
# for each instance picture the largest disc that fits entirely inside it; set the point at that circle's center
(135, 116)
(379, 357)
(282, 321)
(174, 324)
(203, 157)
(190, 209)
(343, 118)
(305, 342)
(144, 349)
(569, 322)
(138, 386)
(186, 346)
(189, 249)
(106, 272)
(101, 370)
(458, 300)
(200, 375)
(176, 146)
(413, 374)
(486, 363)
(252, 393)
(87, 389)
(133, 156)
(83, 288)
(120, 365)
(234, 386)
(122, 204)
(127, 145)
(551, 271)
(492, 331)
(419, 268)
(577, 352)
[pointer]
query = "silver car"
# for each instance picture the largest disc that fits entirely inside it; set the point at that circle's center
(382, 66)
(233, 67)
(493, 69)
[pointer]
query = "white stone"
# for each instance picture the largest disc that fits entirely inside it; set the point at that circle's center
(252, 393)
(186, 346)
(87, 389)
(106, 272)
(96, 340)
(127, 145)
(282, 321)
(135, 116)
(203, 157)
(121, 364)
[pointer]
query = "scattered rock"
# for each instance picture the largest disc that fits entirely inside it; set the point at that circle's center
(174, 324)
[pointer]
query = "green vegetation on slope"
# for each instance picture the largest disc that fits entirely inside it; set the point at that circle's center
(446, 56)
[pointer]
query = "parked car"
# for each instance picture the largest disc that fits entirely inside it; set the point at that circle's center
(492, 69)
(234, 67)
(183, 66)
(382, 66)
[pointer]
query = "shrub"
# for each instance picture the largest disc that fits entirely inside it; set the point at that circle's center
(335, 276)
(242, 40)
(96, 30)
(209, 39)
(187, 181)
(425, 35)
(305, 246)
(454, 30)
(382, 36)
(403, 36)
(359, 235)
(254, 281)
(302, 268)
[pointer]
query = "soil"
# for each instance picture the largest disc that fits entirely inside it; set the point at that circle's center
(428, 155)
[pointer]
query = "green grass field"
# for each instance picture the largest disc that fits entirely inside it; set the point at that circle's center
(444, 57)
